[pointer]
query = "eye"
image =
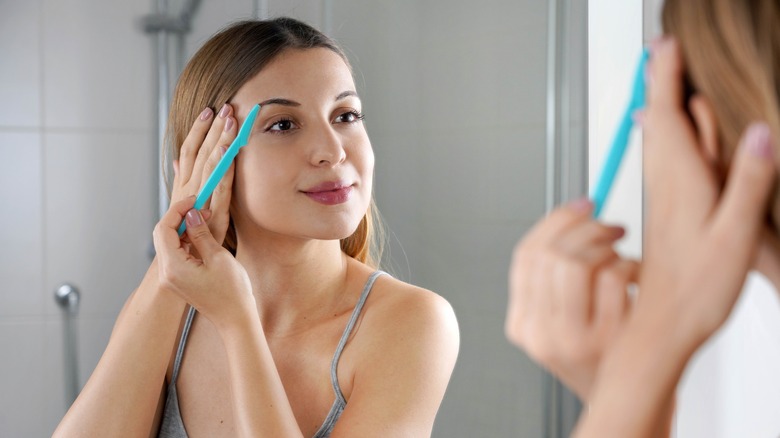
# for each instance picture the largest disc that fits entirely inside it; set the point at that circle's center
(350, 117)
(282, 126)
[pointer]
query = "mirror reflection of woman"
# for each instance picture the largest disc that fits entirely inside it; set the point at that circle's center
(296, 332)
(713, 214)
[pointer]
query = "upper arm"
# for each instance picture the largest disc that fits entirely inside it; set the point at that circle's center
(403, 368)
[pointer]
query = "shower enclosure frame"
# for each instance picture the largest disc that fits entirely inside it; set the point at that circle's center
(566, 158)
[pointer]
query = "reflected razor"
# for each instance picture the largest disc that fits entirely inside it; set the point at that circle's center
(224, 163)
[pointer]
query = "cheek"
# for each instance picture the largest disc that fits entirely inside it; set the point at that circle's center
(364, 163)
(256, 179)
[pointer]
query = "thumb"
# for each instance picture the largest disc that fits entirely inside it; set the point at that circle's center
(743, 208)
(200, 236)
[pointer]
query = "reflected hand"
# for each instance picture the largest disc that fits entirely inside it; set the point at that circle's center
(213, 282)
(568, 294)
(199, 155)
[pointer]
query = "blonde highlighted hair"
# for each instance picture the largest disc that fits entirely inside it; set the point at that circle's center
(216, 72)
(731, 50)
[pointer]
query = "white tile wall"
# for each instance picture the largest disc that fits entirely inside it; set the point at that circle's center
(54, 402)
(97, 64)
(20, 71)
(213, 16)
(76, 182)
(99, 215)
(21, 256)
(484, 66)
(22, 387)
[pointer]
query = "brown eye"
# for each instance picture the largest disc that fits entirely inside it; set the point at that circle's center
(282, 125)
(349, 117)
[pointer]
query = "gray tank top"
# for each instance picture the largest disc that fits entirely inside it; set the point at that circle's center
(172, 425)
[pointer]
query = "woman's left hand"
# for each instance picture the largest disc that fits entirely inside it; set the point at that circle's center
(701, 240)
(213, 282)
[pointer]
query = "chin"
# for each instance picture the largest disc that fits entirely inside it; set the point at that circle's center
(337, 231)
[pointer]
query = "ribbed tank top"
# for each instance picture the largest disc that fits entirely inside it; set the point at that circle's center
(172, 425)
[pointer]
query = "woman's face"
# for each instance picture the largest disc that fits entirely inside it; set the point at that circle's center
(307, 168)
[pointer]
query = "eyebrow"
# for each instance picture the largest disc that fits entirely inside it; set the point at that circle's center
(288, 102)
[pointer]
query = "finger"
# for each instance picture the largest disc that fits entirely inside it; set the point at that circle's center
(611, 299)
(677, 173)
(517, 305)
(547, 230)
(189, 149)
(743, 209)
(574, 282)
(175, 168)
(208, 168)
(229, 133)
(220, 205)
(707, 127)
(166, 234)
(223, 120)
(583, 235)
(200, 236)
(666, 71)
(185, 239)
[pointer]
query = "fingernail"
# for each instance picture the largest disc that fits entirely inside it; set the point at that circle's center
(758, 141)
(222, 150)
(639, 117)
(193, 218)
(655, 44)
(581, 205)
(228, 124)
(206, 114)
(224, 111)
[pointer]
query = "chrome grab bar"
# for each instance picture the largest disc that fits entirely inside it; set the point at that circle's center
(69, 298)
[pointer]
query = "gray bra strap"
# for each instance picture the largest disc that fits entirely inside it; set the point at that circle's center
(182, 343)
(350, 325)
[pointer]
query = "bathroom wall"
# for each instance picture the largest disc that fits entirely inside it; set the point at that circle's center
(455, 101)
(75, 181)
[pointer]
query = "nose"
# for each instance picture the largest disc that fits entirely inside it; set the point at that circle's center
(327, 148)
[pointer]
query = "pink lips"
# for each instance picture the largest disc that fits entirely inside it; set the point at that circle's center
(330, 192)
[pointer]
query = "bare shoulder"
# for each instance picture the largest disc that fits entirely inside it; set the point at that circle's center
(410, 320)
(404, 303)
(403, 353)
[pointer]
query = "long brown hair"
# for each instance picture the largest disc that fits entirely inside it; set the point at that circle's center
(216, 72)
(731, 50)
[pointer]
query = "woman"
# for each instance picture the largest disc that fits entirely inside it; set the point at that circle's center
(712, 216)
(296, 333)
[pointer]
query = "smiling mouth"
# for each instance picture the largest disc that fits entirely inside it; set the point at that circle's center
(330, 193)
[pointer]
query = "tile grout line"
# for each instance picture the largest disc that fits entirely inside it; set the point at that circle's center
(42, 124)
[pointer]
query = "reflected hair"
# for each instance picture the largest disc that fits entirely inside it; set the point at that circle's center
(216, 72)
(731, 50)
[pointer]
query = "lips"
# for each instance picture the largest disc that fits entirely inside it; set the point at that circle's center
(330, 192)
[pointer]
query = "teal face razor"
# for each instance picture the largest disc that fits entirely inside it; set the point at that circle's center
(620, 142)
(224, 163)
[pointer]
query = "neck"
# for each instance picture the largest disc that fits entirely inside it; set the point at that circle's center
(295, 281)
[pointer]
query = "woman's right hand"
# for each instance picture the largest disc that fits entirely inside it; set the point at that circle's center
(568, 294)
(202, 273)
(199, 155)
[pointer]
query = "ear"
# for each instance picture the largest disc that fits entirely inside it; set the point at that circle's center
(707, 128)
